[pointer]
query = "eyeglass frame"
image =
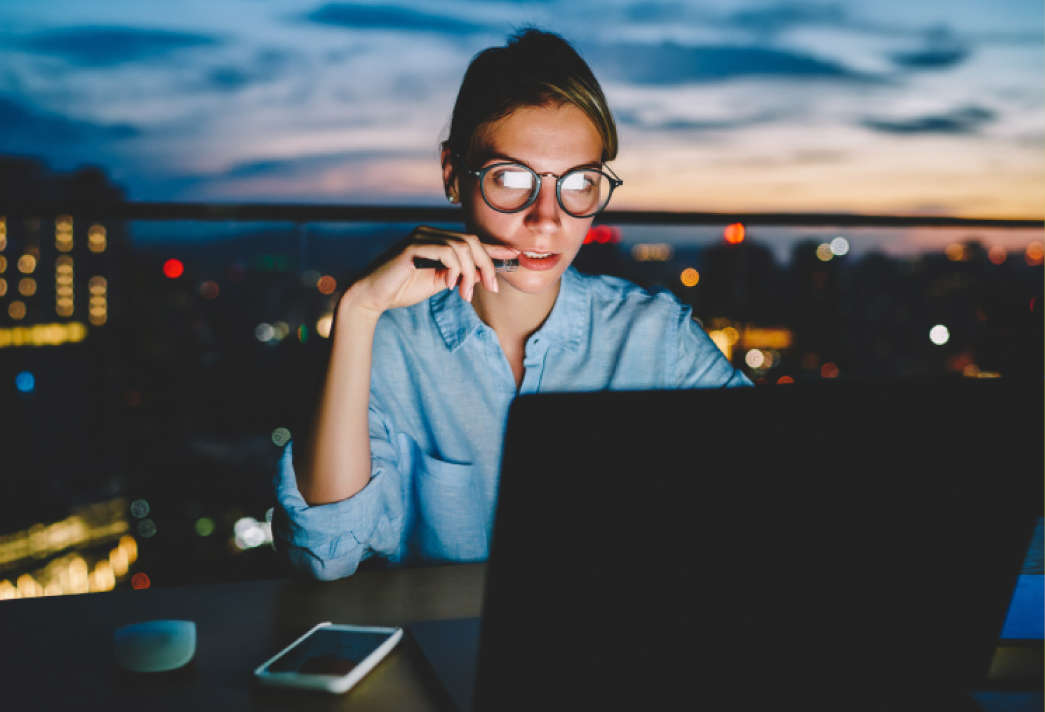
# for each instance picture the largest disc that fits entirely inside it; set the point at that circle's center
(614, 179)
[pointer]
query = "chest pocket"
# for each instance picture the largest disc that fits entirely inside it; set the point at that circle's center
(450, 521)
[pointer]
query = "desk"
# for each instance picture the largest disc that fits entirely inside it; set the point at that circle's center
(57, 652)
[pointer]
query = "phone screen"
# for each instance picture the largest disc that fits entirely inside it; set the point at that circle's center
(329, 652)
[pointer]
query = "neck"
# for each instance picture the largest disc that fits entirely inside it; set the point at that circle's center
(512, 313)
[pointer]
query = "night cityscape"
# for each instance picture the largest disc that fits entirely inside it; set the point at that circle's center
(151, 383)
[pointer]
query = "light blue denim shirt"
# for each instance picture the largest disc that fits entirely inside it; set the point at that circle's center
(440, 389)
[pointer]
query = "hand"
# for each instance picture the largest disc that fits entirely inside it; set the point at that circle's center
(393, 281)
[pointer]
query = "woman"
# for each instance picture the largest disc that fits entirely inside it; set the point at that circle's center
(405, 449)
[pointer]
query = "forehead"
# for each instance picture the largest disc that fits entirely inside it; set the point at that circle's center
(550, 137)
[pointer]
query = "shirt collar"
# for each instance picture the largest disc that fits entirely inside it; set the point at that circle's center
(565, 325)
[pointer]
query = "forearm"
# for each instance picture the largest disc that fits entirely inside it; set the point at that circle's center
(337, 456)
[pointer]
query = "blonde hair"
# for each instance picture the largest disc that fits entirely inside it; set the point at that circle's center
(534, 68)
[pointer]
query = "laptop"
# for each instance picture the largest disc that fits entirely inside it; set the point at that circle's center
(819, 546)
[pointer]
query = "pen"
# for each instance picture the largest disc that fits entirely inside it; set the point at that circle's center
(499, 265)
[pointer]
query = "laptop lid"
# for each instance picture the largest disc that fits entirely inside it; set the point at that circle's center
(827, 545)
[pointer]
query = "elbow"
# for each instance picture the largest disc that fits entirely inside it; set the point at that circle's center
(308, 564)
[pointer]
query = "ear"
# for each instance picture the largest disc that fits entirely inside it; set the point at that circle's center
(450, 183)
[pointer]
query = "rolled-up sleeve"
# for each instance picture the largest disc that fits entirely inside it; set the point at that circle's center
(699, 363)
(328, 541)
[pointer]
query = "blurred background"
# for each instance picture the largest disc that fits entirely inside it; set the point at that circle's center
(844, 191)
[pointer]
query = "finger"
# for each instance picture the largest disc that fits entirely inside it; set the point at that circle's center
(483, 262)
(468, 268)
(440, 253)
(435, 235)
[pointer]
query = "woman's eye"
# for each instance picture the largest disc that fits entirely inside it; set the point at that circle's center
(577, 181)
(514, 179)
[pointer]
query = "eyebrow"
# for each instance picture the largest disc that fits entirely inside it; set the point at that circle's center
(493, 154)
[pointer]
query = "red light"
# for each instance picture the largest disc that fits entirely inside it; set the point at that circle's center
(735, 233)
(140, 581)
(829, 370)
(602, 234)
(173, 268)
(784, 379)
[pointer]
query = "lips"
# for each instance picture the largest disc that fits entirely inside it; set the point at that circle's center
(538, 265)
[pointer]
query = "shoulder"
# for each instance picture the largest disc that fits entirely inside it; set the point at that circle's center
(616, 299)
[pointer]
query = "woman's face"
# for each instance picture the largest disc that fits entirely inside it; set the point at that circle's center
(548, 138)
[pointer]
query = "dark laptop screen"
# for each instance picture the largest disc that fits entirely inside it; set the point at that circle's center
(777, 543)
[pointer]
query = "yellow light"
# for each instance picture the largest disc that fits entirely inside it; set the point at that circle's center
(732, 335)
(324, 324)
(690, 277)
(118, 561)
(27, 586)
(64, 291)
(97, 285)
(96, 240)
(7, 590)
(766, 338)
(16, 309)
(824, 253)
(64, 262)
(955, 252)
(3, 233)
(53, 334)
(3, 264)
(1035, 253)
(130, 548)
(720, 339)
(103, 578)
(26, 263)
(27, 286)
(3, 286)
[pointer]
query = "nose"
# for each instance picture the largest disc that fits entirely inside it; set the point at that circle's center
(543, 215)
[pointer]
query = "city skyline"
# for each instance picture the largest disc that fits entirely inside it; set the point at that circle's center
(906, 109)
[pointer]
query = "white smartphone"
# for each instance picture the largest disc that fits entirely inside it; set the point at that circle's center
(331, 657)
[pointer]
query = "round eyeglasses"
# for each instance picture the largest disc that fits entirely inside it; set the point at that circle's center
(509, 187)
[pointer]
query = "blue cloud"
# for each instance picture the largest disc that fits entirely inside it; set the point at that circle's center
(931, 58)
(632, 118)
(654, 11)
(21, 127)
(265, 65)
(103, 46)
(390, 17)
(964, 120)
(772, 19)
(942, 50)
(289, 167)
(669, 63)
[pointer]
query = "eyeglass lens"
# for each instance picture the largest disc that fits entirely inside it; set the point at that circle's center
(509, 187)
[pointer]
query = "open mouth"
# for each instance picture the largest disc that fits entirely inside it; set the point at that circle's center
(538, 260)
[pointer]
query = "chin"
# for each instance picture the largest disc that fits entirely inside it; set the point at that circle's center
(534, 282)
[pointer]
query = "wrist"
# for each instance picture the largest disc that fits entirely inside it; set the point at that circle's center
(351, 306)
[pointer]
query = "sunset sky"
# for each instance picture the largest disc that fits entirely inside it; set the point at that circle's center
(935, 107)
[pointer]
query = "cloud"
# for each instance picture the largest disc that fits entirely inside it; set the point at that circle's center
(942, 50)
(391, 17)
(21, 127)
(262, 67)
(297, 166)
(670, 63)
(679, 124)
(931, 58)
(103, 46)
(773, 19)
(654, 11)
(963, 120)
